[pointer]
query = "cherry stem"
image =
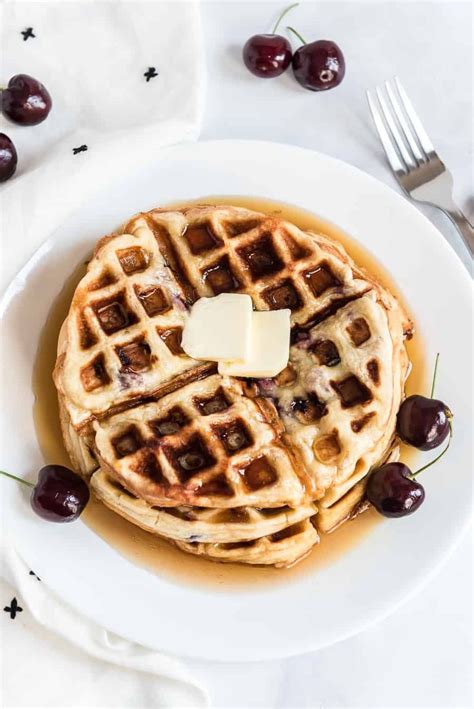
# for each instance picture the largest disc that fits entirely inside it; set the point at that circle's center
(291, 29)
(285, 11)
(14, 477)
(434, 375)
(428, 465)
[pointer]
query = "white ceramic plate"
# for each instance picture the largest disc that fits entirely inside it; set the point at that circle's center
(376, 575)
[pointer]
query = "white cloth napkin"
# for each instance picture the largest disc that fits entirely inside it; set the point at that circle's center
(33, 616)
(93, 58)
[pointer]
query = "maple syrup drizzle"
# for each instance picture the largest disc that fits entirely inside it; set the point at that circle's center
(150, 551)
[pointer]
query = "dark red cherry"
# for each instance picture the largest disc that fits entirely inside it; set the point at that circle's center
(25, 100)
(319, 66)
(59, 495)
(267, 55)
(423, 422)
(8, 158)
(392, 491)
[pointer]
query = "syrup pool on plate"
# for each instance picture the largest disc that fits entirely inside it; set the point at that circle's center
(150, 551)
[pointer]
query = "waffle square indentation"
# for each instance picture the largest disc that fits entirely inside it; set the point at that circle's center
(127, 442)
(153, 299)
(358, 331)
(259, 473)
(237, 228)
(234, 436)
(220, 277)
(282, 296)
(214, 404)
(94, 375)
(327, 448)
(133, 259)
(308, 410)
(321, 278)
(191, 458)
(201, 238)
(86, 337)
(148, 466)
(172, 337)
(260, 257)
(170, 424)
(374, 371)
(326, 353)
(218, 486)
(352, 391)
(114, 314)
(134, 356)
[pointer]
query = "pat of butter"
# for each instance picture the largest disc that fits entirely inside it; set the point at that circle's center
(269, 346)
(219, 328)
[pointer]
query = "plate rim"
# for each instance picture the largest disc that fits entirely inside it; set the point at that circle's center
(30, 264)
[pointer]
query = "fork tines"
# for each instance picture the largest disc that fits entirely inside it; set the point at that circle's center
(404, 139)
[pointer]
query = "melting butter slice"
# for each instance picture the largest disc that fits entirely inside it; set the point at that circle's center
(219, 328)
(269, 346)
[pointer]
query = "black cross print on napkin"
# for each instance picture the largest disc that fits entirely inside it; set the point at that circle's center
(13, 608)
(32, 573)
(27, 33)
(150, 73)
(80, 149)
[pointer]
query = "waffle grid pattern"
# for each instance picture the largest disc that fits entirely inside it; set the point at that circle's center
(228, 469)
(271, 260)
(205, 445)
(124, 332)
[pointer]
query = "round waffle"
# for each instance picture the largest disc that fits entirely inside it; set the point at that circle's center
(172, 437)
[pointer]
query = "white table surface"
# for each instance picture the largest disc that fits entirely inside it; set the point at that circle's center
(422, 655)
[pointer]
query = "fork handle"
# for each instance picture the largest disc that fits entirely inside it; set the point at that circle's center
(464, 227)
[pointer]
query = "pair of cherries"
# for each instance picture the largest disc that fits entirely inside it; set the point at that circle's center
(424, 423)
(317, 66)
(26, 102)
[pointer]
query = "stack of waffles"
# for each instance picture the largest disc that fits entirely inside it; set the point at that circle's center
(232, 469)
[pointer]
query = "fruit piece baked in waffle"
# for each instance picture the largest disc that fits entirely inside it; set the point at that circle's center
(175, 447)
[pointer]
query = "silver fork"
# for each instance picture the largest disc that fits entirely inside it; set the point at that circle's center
(412, 157)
